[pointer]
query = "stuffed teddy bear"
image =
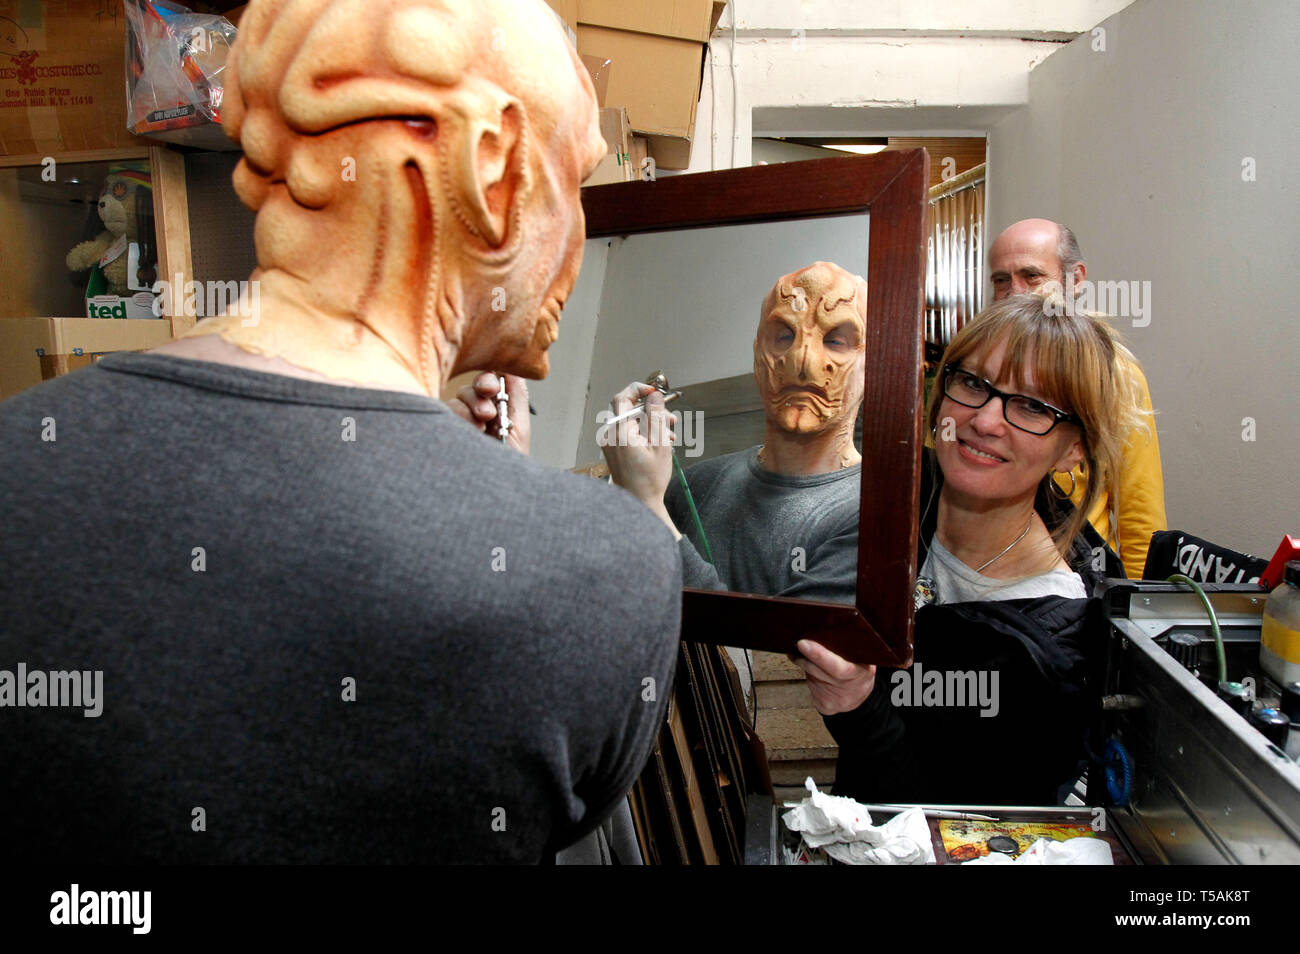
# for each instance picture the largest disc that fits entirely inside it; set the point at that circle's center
(126, 209)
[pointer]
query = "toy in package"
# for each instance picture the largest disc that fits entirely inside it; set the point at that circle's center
(174, 64)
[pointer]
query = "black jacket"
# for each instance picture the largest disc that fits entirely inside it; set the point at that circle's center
(1045, 653)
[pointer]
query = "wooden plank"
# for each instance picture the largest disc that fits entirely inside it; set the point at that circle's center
(705, 733)
(694, 793)
(17, 261)
(966, 152)
(784, 695)
(85, 155)
(775, 667)
(661, 787)
(791, 190)
(725, 707)
(792, 774)
(645, 840)
(789, 793)
(792, 734)
(172, 214)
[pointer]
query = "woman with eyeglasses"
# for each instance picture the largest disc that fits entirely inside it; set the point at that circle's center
(995, 708)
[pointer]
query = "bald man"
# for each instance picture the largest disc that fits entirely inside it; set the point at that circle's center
(1025, 257)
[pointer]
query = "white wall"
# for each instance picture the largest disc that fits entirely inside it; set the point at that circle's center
(1020, 18)
(873, 66)
(561, 397)
(1139, 149)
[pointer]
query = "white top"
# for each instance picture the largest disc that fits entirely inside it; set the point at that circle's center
(955, 582)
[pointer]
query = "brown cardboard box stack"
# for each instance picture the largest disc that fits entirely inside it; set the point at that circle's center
(652, 53)
(62, 77)
(656, 53)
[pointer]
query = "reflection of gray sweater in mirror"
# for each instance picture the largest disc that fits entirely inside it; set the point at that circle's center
(771, 534)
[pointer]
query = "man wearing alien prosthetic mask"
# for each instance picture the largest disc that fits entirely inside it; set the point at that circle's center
(780, 519)
(332, 620)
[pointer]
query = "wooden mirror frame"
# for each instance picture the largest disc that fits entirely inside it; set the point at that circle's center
(893, 188)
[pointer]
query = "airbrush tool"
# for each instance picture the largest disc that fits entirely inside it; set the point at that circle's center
(657, 380)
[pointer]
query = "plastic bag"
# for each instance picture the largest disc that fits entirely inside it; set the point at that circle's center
(174, 64)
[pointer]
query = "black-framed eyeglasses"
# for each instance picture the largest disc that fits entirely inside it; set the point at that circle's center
(1026, 413)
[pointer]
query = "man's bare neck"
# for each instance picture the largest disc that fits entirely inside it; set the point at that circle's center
(217, 350)
(783, 453)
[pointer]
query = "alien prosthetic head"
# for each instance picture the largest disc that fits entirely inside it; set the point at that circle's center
(415, 166)
(809, 356)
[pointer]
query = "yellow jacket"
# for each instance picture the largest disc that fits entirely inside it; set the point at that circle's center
(1141, 494)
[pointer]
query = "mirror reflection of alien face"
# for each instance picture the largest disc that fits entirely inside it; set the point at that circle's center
(810, 350)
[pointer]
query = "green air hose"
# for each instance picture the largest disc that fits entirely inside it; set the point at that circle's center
(695, 514)
(1214, 621)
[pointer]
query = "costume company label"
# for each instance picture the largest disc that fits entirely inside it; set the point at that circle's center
(58, 688)
(102, 907)
(37, 85)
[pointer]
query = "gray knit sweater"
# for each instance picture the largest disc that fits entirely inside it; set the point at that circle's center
(770, 534)
(334, 625)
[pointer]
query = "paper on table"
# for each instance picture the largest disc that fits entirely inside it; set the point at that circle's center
(1049, 851)
(844, 829)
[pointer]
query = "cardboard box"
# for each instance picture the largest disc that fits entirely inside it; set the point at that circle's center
(617, 164)
(568, 11)
(683, 19)
(33, 350)
(62, 77)
(599, 70)
(616, 130)
(669, 152)
(637, 151)
(657, 52)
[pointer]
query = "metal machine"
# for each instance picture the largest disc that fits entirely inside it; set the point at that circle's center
(1194, 781)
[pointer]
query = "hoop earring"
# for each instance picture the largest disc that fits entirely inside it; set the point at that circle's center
(1056, 488)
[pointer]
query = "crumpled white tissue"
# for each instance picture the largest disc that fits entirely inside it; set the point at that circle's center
(1049, 851)
(844, 830)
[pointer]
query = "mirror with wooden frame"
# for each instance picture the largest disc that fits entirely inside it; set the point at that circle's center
(888, 191)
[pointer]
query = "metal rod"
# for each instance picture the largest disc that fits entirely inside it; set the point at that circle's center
(668, 398)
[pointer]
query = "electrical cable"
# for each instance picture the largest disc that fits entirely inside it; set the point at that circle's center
(735, 89)
(713, 108)
(1214, 621)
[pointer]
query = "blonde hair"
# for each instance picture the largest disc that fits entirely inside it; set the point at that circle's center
(1078, 364)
